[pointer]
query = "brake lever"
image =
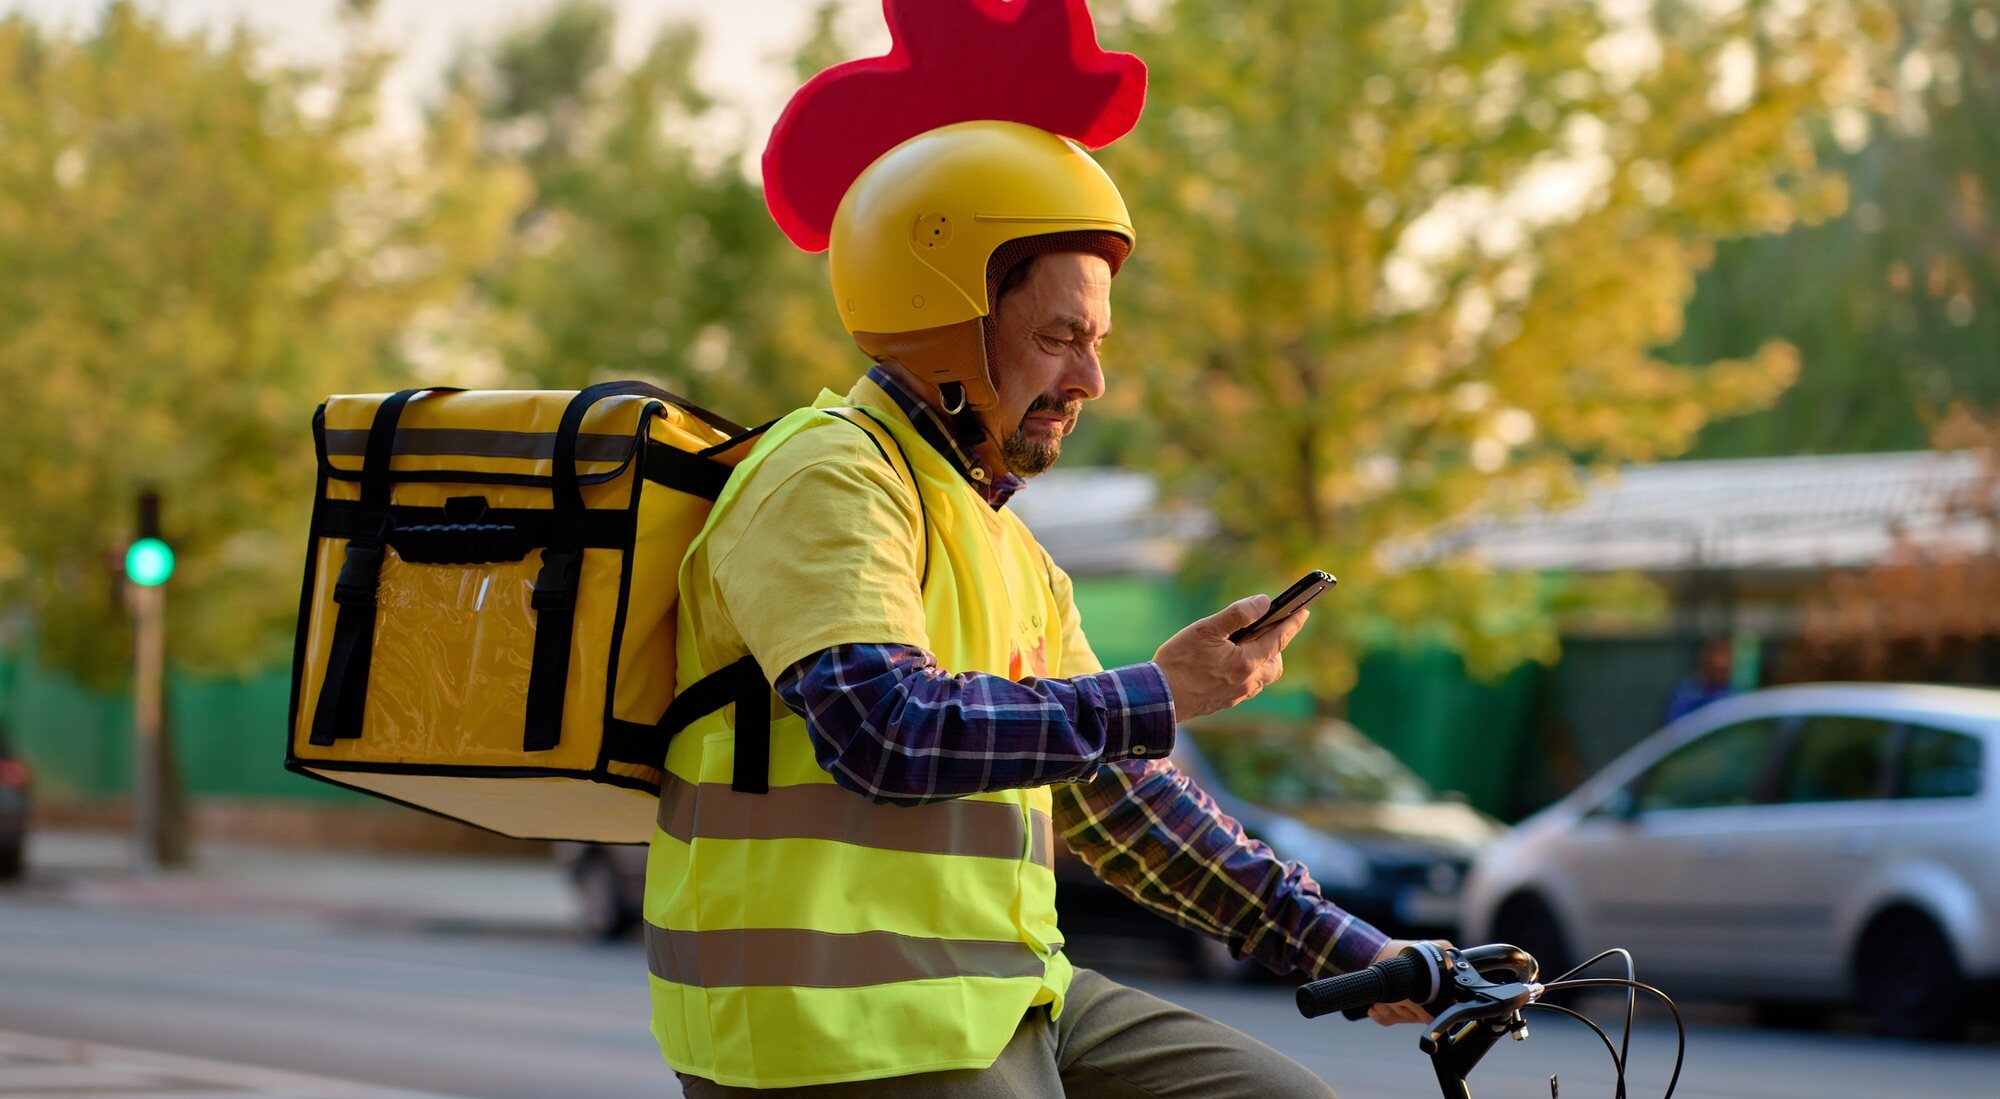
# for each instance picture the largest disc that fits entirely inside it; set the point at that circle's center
(1466, 975)
(1492, 1002)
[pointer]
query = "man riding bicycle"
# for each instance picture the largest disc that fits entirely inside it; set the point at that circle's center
(880, 920)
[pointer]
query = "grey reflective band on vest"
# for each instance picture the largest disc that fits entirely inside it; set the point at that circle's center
(480, 443)
(960, 826)
(791, 958)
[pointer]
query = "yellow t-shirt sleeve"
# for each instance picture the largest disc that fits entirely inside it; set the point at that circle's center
(822, 547)
(1078, 659)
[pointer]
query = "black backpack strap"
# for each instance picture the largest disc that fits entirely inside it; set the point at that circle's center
(556, 585)
(752, 773)
(554, 598)
(554, 603)
(742, 683)
(745, 684)
(344, 692)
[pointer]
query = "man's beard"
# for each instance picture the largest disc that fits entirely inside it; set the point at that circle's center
(1027, 457)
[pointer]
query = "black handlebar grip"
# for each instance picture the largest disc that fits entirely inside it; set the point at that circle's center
(1407, 976)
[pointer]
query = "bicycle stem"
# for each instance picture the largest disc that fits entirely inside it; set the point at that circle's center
(1456, 1044)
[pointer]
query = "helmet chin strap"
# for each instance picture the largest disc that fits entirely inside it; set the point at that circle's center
(954, 400)
(948, 362)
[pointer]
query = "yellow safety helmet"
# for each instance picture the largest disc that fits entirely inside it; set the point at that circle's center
(912, 235)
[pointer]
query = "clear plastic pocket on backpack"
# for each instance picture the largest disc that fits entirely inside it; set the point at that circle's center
(448, 681)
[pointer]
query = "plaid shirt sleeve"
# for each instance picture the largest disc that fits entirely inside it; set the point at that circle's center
(1149, 831)
(888, 723)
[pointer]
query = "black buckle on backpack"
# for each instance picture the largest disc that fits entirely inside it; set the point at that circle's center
(360, 574)
(555, 585)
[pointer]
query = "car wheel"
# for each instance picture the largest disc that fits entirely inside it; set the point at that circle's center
(1907, 978)
(1526, 921)
(606, 913)
(11, 862)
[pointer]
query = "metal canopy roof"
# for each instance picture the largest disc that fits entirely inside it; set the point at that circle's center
(1798, 513)
(1807, 513)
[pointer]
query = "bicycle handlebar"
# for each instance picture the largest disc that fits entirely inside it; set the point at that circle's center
(1411, 975)
(1476, 996)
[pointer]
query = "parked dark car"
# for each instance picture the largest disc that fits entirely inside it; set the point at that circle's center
(14, 787)
(1376, 838)
(1379, 842)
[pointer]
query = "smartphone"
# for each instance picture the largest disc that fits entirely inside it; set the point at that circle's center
(1298, 595)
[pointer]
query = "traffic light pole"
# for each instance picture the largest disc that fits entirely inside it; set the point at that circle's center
(149, 796)
(158, 832)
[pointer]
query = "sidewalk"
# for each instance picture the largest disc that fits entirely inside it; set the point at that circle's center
(461, 892)
(50, 1068)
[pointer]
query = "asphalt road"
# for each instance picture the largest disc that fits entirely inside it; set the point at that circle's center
(512, 1016)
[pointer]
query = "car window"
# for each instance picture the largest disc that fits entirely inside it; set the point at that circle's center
(1286, 769)
(1835, 757)
(1937, 763)
(1718, 769)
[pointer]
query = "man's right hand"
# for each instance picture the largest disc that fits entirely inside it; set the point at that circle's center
(1207, 673)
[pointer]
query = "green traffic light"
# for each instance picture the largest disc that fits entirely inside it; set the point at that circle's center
(149, 562)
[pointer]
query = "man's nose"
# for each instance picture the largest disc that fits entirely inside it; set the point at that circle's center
(1083, 379)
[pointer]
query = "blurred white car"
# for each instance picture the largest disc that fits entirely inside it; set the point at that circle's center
(1811, 843)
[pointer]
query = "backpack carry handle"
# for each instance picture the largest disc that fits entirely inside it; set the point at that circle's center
(381, 446)
(558, 582)
(563, 480)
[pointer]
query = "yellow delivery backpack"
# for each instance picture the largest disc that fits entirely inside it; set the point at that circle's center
(487, 625)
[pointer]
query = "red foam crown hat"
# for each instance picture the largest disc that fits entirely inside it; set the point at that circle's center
(1035, 62)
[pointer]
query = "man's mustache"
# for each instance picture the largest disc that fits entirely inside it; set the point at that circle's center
(1045, 403)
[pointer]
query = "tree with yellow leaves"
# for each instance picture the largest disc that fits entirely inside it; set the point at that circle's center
(195, 246)
(1401, 264)
(646, 252)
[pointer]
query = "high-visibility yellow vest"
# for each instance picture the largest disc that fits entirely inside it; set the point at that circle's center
(807, 935)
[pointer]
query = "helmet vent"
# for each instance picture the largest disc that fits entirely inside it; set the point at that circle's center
(933, 231)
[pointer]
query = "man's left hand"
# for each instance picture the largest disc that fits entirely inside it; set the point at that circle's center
(1403, 1011)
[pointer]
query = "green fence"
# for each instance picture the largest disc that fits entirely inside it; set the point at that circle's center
(229, 734)
(1457, 732)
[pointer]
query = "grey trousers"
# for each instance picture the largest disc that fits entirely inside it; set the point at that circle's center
(1112, 1042)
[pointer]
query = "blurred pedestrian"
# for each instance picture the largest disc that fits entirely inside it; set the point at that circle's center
(1711, 681)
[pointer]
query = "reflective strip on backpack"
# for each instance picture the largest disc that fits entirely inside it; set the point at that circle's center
(474, 442)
